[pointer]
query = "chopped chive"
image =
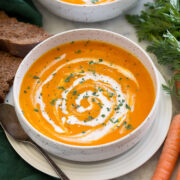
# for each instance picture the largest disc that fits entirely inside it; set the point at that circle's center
(128, 107)
(74, 92)
(69, 77)
(117, 120)
(36, 77)
(100, 105)
(108, 109)
(57, 57)
(91, 62)
(100, 60)
(82, 71)
(103, 115)
(124, 123)
(61, 87)
(53, 102)
(100, 89)
(90, 117)
(36, 110)
(129, 127)
(25, 91)
(93, 100)
(78, 51)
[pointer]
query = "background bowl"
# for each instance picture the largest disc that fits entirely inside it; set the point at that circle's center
(86, 153)
(88, 13)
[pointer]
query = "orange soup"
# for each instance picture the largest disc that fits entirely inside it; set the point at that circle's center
(89, 2)
(86, 93)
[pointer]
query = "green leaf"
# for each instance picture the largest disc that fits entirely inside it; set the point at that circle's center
(23, 10)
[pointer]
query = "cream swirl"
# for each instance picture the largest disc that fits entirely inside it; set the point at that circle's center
(97, 90)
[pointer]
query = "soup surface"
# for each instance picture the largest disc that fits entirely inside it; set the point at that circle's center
(86, 93)
(89, 2)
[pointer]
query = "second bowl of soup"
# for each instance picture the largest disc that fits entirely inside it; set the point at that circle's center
(87, 94)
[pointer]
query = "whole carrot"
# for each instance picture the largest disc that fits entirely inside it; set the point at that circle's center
(178, 176)
(170, 152)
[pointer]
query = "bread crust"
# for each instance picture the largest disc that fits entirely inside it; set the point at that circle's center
(19, 38)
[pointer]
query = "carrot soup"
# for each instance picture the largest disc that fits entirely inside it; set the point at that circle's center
(88, 2)
(86, 93)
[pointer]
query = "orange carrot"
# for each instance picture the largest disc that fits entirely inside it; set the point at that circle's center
(170, 152)
(178, 176)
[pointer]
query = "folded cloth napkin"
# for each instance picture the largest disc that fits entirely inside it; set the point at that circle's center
(12, 167)
(23, 10)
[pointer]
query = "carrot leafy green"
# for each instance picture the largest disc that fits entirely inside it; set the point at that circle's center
(160, 25)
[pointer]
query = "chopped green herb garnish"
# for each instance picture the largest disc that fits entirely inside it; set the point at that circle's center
(103, 115)
(36, 110)
(111, 120)
(78, 106)
(86, 43)
(108, 109)
(128, 107)
(91, 62)
(78, 51)
(85, 97)
(100, 60)
(90, 117)
(124, 123)
(74, 92)
(36, 77)
(53, 102)
(69, 77)
(93, 100)
(72, 42)
(61, 87)
(129, 127)
(28, 87)
(100, 89)
(117, 120)
(57, 57)
(25, 91)
(82, 71)
(83, 132)
(100, 105)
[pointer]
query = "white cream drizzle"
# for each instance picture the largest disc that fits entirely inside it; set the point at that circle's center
(104, 112)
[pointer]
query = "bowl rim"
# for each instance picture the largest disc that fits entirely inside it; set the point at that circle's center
(155, 105)
(86, 5)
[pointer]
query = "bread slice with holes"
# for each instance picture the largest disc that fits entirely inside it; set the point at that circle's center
(19, 38)
(8, 67)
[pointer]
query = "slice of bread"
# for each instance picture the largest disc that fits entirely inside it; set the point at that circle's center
(8, 67)
(19, 38)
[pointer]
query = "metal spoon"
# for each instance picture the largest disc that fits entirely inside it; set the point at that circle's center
(10, 123)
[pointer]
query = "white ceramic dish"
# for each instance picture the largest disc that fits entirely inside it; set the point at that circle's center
(87, 153)
(88, 13)
(111, 168)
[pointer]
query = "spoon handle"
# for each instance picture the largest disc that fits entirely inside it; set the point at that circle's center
(59, 172)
